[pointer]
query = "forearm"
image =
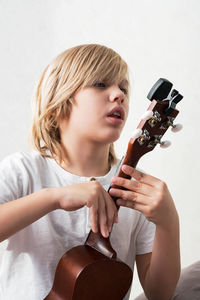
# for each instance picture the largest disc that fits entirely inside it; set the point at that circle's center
(18, 214)
(159, 271)
(164, 269)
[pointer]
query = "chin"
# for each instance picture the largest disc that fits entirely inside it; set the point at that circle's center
(110, 137)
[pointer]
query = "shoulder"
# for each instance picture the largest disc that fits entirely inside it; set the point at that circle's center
(22, 158)
(21, 174)
(22, 163)
(15, 174)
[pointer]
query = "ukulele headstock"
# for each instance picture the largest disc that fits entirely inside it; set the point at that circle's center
(159, 116)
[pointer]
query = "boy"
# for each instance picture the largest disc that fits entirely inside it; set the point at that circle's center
(48, 201)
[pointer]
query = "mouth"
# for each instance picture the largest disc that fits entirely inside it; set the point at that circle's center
(117, 113)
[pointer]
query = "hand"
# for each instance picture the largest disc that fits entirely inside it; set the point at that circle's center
(147, 194)
(103, 211)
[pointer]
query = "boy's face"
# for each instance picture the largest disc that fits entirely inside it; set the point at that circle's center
(98, 113)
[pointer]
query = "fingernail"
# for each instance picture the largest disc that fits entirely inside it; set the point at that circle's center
(106, 233)
(114, 179)
(112, 191)
(126, 168)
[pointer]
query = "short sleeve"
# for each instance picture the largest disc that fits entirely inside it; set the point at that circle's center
(10, 179)
(145, 237)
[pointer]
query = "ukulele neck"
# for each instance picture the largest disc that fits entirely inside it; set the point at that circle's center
(96, 240)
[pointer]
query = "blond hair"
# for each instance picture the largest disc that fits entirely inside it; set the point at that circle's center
(73, 69)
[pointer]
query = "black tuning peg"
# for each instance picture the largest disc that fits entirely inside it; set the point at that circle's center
(174, 98)
(160, 90)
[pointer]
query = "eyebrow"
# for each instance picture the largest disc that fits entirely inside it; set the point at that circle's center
(124, 81)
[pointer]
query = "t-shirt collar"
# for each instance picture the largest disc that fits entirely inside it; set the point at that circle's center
(73, 178)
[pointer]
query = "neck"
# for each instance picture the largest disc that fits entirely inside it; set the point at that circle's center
(85, 158)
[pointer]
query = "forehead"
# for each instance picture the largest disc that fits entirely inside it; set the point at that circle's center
(109, 73)
(115, 80)
(124, 82)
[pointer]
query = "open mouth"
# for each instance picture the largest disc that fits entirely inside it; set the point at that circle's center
(116, 115)
(115, 119)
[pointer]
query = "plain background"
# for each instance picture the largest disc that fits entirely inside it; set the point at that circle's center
(157, 38)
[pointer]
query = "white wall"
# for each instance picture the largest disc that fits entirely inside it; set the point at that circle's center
(157, 38)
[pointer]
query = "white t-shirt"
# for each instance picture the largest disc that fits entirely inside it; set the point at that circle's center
(29, 262)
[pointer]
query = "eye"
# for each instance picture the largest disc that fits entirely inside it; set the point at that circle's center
(125, 91)
(100, 85)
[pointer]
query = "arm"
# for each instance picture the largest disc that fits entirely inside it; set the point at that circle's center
(159, 271)
(19, 213)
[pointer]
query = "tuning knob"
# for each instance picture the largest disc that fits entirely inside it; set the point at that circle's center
(165, 144)
(137, 133)
(147, 115)
(177, 127)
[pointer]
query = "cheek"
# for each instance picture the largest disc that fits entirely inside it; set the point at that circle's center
(126, 108)
(86, 117)
(92, 112)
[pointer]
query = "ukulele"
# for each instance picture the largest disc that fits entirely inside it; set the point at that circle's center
(92, 271)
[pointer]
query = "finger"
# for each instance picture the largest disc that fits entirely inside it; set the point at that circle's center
(132, 205)
(139, 176)
(111, 210)
(103, 216)
(132, 185)
(116, 218)
(94, 217)
(128, 195)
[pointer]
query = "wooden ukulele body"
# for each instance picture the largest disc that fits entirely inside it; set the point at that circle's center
(84, 273)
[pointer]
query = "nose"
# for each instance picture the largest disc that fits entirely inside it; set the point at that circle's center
(116, 94)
